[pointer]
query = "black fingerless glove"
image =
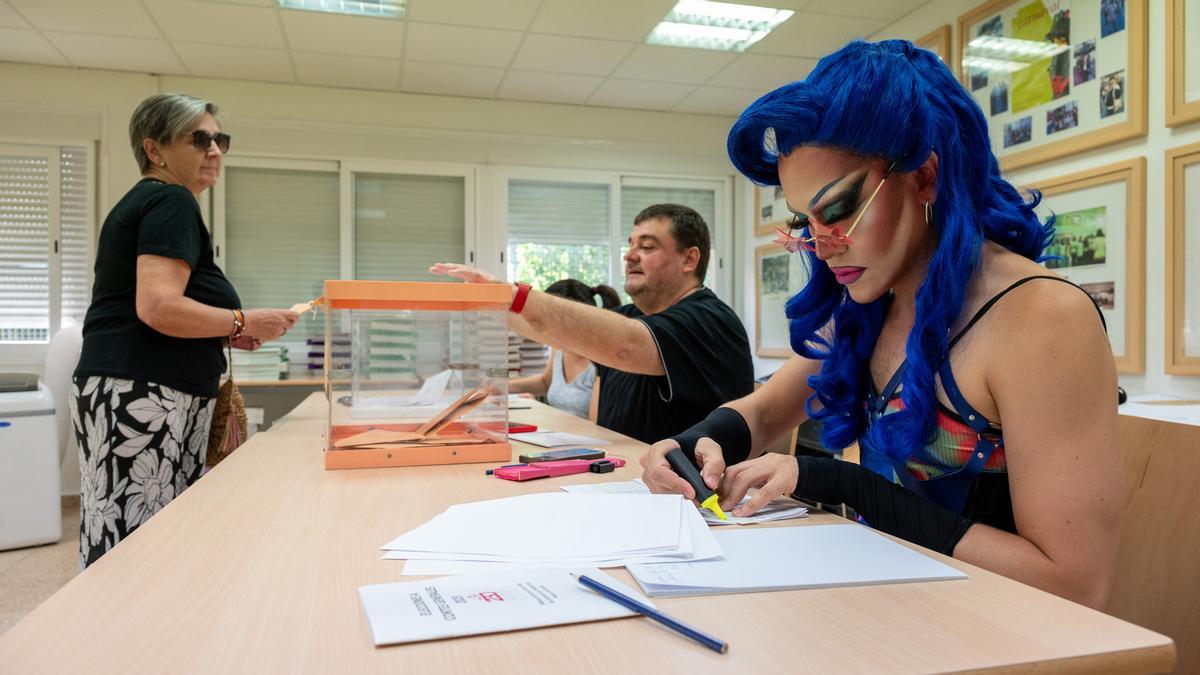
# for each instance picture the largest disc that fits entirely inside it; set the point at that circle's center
(886, 506)
(727, 427)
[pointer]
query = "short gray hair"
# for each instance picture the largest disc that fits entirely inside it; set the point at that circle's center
(162, 118)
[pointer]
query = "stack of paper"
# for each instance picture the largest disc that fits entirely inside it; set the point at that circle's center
(486, 603)
(266, 363)
(553, 439)
(776, 510)
(556, 529)
(781, 558)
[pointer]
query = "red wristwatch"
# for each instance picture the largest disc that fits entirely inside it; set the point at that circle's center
(519, 299)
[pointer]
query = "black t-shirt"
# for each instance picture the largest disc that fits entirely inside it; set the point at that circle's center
(706, 355)
(157, 219)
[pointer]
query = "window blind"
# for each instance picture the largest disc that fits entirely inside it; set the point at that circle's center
(558, 231)
(25, 199)
(282, 240)
(405, 223)
(75, 257)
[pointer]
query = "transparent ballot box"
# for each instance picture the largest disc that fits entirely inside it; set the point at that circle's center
(427, 377)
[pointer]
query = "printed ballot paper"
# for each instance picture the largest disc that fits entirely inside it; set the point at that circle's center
(473, 604)
(783, 509)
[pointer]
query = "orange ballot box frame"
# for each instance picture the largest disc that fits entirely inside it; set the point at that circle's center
(453, 320)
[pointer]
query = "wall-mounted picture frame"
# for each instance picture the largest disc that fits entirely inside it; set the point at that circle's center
(1055, 77)
(1183, 62)
(938, 42)
(1182, 298)
(778, 275)
(770, 209)
(1100, 244)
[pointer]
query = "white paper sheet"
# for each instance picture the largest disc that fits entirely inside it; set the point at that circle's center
(1162, 408)
(781, 558)
(703, 547)
(777, 510)
(486, 603)
(552, 525)
(553, 439)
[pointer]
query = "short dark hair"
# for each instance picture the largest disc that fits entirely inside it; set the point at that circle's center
(688, 228)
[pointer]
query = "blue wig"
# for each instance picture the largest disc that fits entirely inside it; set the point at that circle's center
(892, 101)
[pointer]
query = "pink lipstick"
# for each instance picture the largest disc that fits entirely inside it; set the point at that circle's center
(847, 275)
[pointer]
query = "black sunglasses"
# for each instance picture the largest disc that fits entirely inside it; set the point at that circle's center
(201, 140)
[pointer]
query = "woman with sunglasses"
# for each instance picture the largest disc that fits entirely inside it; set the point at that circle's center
(979, 387)
(154, 335)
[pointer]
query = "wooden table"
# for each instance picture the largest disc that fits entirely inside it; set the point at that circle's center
(255, 570)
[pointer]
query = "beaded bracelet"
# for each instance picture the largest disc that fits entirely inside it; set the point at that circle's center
(239, 324)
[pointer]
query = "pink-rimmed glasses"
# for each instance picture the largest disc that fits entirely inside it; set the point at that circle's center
(835, 237)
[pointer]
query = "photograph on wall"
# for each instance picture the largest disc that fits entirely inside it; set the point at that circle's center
(1112, 17)
(778, 276)
(1103, 293)
(1099, 245)
(1053, 61)
(1182, 298)
(1085, 62)
(1079, 239)
(1112, 94)
(770, 209)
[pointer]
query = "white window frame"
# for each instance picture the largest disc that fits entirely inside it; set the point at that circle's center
(33, 355)
(496, 228)
(346, 170)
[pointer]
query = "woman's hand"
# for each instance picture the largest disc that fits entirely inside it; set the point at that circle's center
(466, 273)
(774, 475)
(247, 343)
(268, 324)
(658, 475)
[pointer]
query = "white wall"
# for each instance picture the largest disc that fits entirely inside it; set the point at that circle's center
(936, 13)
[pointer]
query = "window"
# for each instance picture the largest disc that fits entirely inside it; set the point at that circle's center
(404, 223)
(281, 238)
(558, 231)
(45, 234)
(282, 227)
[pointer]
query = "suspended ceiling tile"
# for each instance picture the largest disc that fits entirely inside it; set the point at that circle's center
(461, 45)
(217, 23)
(673, 64)
(887, 10)
(321, 32)
(815, 35)
(639, 94)
(111, 17)
(452, 80)
(718, 101)
(522, 85)
(629, 20)
(28, 46)
(236, 63)
(139, 55)
(574, 56)
(358, 72)
(755, 71)
(507, 14)
(9, 17)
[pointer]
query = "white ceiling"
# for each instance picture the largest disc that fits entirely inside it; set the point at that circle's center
(583, 52)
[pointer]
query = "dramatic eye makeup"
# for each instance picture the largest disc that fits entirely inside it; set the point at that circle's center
(840, 206)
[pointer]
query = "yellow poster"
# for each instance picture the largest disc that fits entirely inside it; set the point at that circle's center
(1031, 85)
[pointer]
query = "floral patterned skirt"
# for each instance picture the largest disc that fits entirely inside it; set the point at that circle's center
(140, 445)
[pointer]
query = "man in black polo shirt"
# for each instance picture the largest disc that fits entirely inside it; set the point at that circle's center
(664, 361)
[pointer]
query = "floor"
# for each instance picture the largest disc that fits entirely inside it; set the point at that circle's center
(30, 575)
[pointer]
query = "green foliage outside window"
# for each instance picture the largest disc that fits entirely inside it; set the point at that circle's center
(540, 265)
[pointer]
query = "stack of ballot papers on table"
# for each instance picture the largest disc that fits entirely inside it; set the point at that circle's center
(552, 439)
(776, 510)
(555, 529)
(783, 558)
(486, 603)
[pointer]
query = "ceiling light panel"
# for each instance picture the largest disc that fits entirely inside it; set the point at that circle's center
(724, 26)
(384, 9)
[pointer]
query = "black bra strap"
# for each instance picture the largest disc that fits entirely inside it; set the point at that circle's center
(996, 298)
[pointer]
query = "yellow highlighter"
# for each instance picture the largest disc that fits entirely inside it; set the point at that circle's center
(688, 471)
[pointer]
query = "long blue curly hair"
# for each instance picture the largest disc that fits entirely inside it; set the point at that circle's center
(892, 101)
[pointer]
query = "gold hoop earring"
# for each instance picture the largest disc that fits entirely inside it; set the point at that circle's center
(928, 213)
